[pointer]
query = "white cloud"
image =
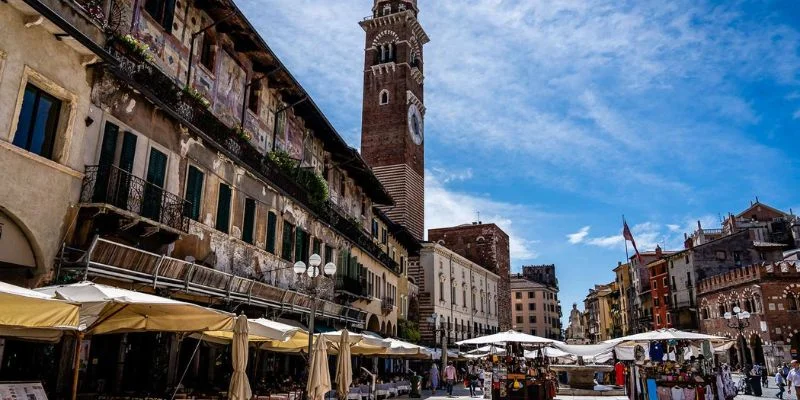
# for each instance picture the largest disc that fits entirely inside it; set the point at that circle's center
(444, 207)
(796, 114)
(674, 228)
(649, 234)
(578, 236)
(444, 175)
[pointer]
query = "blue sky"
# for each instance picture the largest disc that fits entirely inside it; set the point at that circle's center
(555, 117)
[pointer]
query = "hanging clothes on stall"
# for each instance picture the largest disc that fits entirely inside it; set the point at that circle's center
(619, 373)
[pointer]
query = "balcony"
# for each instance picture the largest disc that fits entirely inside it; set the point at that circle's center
(111, 260)
(387, 305)
(111, 186)
(349, 287)
(162, 90)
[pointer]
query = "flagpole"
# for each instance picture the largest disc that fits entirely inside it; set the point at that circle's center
(627, 257)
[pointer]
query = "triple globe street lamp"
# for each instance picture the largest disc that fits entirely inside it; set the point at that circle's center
(313, 271)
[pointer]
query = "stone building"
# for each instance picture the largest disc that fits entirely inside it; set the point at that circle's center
(770, 293)
(640, 301)
(758, 234)
(544, 274)
(458, 298)
(602, 313)
(660, 293)
(202, 177)
(537, 309)
(624, 291)
(488, 246)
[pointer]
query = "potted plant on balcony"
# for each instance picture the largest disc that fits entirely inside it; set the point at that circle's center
(195, 96)
(135, 47)
(242, 133)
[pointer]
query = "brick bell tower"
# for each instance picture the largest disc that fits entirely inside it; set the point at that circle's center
(392, 126)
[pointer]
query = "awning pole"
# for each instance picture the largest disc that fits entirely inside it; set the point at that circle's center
(76, 365)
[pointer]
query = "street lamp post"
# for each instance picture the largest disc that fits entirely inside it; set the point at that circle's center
(739, 320)
(437, 329)
(313, 271)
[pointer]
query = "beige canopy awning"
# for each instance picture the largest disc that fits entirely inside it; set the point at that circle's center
(108, 309)
(32, 315)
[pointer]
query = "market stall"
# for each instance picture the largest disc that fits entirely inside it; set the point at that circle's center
(672, 364)
(513, 376)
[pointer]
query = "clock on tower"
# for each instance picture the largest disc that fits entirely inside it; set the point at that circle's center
(393, 120)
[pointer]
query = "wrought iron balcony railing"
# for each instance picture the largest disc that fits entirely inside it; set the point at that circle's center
(108, 184)
(348, 285)
(387, 305)
(155, 84)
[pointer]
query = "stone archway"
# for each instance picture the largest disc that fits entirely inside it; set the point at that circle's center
(373, 325)
(383, 328)
(794, 346)
(389, 329)
(743, 351)
(758, 349)
(18, 253)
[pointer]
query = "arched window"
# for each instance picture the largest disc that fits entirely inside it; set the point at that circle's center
(757, 303)
(401, 7)
(387, 9)
(384, 97)
(721, 309)
(791, 302)
(704, 313)
(387, 52)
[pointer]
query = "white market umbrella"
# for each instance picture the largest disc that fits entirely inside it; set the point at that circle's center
(108, 309)
(400, 349)
(239, 388)
(344, 367)
(665, 334)
(259, 330)
(508, 336)
(29, 314)
(319, 377)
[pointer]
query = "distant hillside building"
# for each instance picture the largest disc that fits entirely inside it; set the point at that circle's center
(488, 246)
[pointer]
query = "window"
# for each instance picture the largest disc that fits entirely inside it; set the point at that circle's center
(272, 221)
(162, 11)
(223, 208)
(253, 98)
(531, 295)
(534, 306)
(387, 9)
(519, 319)
(532, 318)
(194, 192)
(208, 51)
(464, 297)
(38, 122)
(374, 228)
(363, 205)
(328, 256)
(531, 306)
(301, 246)
(441, 290)
(656, 302)
(384, 97)
(248, 225)
(518, 307)
(720, 254)
(673, 283)
(518, 295)
(658, 319)
(288, 241)
(153, 191)
(665, 282)
(384, 236)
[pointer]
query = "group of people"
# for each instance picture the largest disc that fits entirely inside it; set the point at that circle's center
(788, 377)
(473, 376)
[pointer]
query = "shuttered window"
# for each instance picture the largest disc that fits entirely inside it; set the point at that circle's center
(248, 225)
(272, 221)
(301, 246)
(194, 192)
(288, 241)
(317, 248)
(223, 208)
(108, 149)
(328, 254)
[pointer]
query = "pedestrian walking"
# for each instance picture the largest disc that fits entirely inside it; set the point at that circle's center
(780, 381)
(472, 375)
(793, 379)
(481, 378)
(450, 377)
(434, 378)
(764, 379)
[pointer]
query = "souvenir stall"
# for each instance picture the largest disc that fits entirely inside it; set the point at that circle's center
(512, 375)
(673, 365)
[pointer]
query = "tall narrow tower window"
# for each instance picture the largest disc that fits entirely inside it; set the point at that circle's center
(384, 97)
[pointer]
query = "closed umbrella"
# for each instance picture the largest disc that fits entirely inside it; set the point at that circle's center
(344, 367)
(319, 377)
(240, 386)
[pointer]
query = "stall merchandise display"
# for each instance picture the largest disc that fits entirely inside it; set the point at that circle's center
(678, 370)
(518, 378)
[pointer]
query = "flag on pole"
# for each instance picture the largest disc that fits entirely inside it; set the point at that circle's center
(626, 233)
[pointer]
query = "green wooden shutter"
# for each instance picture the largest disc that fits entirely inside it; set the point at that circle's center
(194, 192)
(128, 153)
(153, 192)
(157, 168)
(328, 254)
(109, 146)
(249, 220)
(288, 244)
(223, 208)
(317, 248)
(272, 221)
(301, 246)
